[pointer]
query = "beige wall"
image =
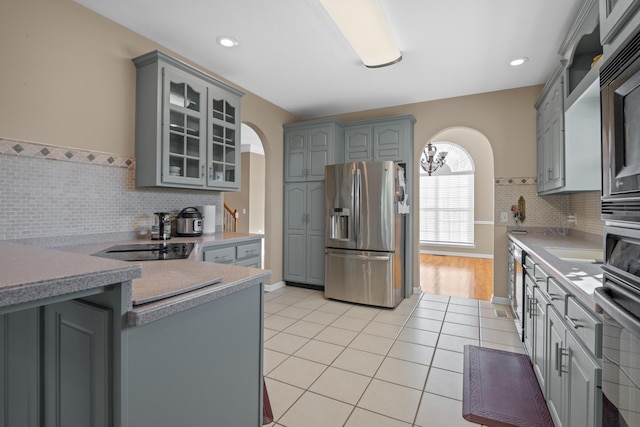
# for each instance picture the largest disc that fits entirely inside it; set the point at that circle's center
(68, 80)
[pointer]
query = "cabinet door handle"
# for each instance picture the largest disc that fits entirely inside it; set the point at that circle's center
(563, 352)
(202, 171)
(210, 172)
(531, 307)
(560, 352)
(571, 322)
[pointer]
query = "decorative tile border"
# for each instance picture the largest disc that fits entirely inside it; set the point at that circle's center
(516, 181)
(32, 149)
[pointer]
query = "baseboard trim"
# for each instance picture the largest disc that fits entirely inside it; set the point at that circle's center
(274, 286)
(460, 254)
(305, 286)
(500, 300)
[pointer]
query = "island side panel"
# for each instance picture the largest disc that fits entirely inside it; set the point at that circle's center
(19, 368)
(199, 367)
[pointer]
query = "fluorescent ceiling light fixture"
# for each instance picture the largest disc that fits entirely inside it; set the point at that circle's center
(366, 29)
(518, 61)
(227, 41)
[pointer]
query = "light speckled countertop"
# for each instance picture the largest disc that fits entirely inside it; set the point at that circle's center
(580, 278)
(30, 273)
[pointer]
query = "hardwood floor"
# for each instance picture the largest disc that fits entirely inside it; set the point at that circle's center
(456, 276)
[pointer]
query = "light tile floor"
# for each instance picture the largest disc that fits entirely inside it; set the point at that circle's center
(334, 364)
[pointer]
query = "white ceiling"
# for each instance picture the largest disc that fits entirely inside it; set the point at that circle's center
(293, 55)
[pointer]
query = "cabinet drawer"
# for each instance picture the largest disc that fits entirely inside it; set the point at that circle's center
(250, 250)
(584, 324)
(557, 295)
(250, 262)
(540, 276)
(529, 264)
(222, 255)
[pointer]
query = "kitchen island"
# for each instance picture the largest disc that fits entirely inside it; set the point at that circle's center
(68, 323)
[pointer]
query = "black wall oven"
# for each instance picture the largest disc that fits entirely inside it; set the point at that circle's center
(620, 109)
(619, 301)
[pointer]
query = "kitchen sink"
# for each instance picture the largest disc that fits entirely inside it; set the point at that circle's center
(577, 254)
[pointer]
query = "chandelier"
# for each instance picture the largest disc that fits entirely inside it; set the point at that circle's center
(430, 162)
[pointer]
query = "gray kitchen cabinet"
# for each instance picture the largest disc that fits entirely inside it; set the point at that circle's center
(540, 166)
(614, 15)
(579, 50)
(77, 365)
(187, 127)
(574, 378)
(245, 254)
(535, 304)
(309, 147)
(304, 226)
(528, 329)
(550, 166)
(555, 379)
(568, 112)
(20, 362)
(563, 339)
(72, 381)
(358, 143)
(538, 357)
(198, 367)
(379, 140)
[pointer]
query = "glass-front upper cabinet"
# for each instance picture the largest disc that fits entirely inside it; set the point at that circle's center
(184, 112)
(223, 149)
(187, 127)
(613, 16)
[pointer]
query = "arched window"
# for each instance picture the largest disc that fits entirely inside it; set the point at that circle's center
(446, 199)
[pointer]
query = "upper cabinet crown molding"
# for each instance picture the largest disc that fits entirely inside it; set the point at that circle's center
(156, 55)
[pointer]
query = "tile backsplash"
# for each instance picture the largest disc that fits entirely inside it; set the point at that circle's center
(548, 212)
(50, 192)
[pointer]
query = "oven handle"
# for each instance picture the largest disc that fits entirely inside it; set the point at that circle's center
(623, 316)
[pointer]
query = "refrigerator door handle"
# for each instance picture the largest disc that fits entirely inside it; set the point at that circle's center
(358, 203)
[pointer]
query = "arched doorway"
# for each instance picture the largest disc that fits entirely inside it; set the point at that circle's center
(480, 246)
(250, 200)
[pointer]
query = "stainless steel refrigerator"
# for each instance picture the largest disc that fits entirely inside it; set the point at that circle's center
(364, 244)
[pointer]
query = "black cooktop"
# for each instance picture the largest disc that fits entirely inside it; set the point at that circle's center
(147, 251)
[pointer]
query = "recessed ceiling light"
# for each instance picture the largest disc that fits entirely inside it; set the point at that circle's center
(227, 41)
(518, 61)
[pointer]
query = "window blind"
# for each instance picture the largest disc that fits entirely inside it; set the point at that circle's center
(446, 209)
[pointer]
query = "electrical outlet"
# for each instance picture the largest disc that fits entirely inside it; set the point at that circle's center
(504, 217)
(572, 219)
